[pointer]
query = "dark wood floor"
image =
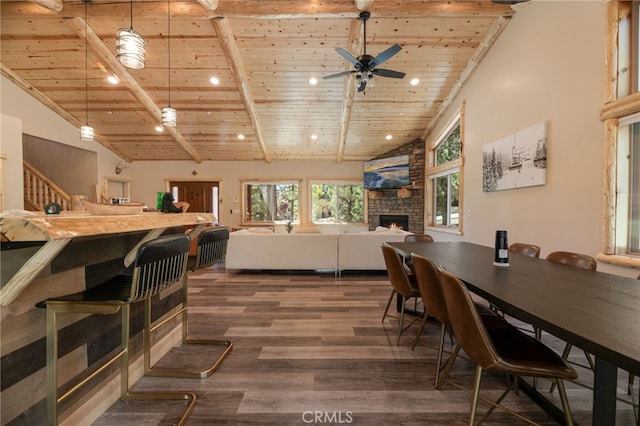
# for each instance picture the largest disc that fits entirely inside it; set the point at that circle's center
(311, 349)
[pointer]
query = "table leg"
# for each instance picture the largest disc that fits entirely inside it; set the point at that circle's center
(604, 393)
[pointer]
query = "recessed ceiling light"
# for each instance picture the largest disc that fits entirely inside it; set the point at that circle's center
(313, 81)
(159, 129)
(241, 136)
(113, 79)
(214, 80)
(314, 137)
(388, 137)
(415, 81)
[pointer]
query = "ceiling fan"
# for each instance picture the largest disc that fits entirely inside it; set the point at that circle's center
(365, 65)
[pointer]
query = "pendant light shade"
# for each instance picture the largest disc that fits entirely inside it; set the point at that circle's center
(169, 114)
(130, 46)
(169, 117)
(86, 133)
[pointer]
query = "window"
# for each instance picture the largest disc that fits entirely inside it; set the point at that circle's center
(337, 202)
(621, 117)
(628, 184)
(444, 178)
(271, 202)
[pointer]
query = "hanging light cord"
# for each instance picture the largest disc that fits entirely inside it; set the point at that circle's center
(169, 47)
(131, 15)
(86, 63)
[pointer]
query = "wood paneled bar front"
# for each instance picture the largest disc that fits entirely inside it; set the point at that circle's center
(48, 255)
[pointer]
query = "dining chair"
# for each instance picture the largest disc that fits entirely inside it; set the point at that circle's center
(577, 260)
(211, 248)
(159, 263)
(427, 277)
(418, 238)
(526, 249)
(403, 285)
(504, 351)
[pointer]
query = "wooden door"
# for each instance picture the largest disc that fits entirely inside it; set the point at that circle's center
(199, 195)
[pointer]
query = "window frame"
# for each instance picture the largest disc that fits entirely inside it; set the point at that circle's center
(340, 182)
(615, 114)
(244, 201)
(433, 171)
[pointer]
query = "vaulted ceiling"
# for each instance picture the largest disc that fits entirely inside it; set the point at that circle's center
(263, 54)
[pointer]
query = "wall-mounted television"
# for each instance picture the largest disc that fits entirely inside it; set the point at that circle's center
(385, 173)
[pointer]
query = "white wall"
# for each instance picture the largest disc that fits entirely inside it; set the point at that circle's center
(34, 118)
(548, 65)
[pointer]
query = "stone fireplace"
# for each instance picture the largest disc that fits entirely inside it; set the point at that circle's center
(387, 202)
(398, 220)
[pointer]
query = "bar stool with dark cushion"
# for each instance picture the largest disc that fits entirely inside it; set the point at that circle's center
(211, 248)
(504, 351)
(403, 285)
(159, 263)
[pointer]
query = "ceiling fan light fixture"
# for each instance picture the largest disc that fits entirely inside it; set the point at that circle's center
(130, 48)
(169, 117)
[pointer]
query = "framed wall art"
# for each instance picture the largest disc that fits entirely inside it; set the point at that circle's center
(516, 161)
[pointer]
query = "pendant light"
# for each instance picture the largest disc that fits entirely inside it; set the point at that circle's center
(169, 114)
(86, 131)
(130, 46)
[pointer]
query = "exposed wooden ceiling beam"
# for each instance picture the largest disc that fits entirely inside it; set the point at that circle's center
(492, 35)
(355, 42)
(228, 43)
(103, 52)
(363, 4)
(28, 88)
(291, 9)
(53, 5)
(209, 4)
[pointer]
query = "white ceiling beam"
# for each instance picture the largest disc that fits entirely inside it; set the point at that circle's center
(363, 4)
(355, 42)
(103, 52)
(52, 5)
(209, 4)
(228, 43)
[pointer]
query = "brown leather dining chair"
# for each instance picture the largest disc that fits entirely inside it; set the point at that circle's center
(504, 351)
(418, 238)
(577, 260)
(526, 249)
(403, 285)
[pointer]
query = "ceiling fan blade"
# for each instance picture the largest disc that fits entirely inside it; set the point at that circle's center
(388, 73)
(348, 56)
(385, 56)
(362, 86)
(340, 74)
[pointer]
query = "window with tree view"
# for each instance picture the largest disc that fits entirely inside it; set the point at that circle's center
(337, 203)
(444, 177)
(271, 202)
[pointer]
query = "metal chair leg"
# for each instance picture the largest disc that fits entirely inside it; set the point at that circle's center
(388, 304)
(53, 399)
(476, 394)
(170, 372)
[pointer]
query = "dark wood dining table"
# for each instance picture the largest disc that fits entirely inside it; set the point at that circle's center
(595, 311)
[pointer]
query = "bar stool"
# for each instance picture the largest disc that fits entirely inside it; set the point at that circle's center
(159, 263)
(211, 248)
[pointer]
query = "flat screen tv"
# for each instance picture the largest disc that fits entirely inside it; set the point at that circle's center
(385, 173)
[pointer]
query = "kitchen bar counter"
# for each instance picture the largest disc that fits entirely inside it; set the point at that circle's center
(57, 231)
(50, 255)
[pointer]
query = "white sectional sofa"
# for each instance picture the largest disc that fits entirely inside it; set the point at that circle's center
(259, 249)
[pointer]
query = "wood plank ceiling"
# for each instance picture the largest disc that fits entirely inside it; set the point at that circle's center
(264, 54)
